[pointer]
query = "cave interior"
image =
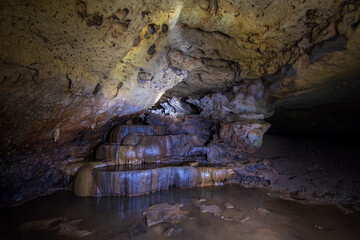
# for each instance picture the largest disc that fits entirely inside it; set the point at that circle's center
(243, 113)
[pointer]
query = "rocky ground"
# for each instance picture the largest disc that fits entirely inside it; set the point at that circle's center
(305, 170)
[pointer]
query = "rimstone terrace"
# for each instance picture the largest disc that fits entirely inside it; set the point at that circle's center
(141, 159)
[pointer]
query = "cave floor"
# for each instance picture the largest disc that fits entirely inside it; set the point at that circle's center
(312, 170)
(255, 215)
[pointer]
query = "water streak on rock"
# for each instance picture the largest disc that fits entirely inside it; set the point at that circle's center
(132, 182)
(150, 149)
(120, 131)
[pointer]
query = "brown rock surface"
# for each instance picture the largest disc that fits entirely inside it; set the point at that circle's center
(92, 180)
(151, 149)
(119, 132)
(69, 71)
(243, 134)
(214, 209)
(165, 212)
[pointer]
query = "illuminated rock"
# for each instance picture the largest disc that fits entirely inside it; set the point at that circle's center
(187, 124)
(148, 149)
(214, 209)
(243, 134)
(119, 132)
(165, 212)
(144, 179)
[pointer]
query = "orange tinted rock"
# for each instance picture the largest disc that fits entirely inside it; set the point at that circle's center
(243, 135)
(120, 131)
(151, 148)
(139, 180)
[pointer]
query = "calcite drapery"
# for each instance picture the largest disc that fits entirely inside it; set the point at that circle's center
(123, 170)
(147, 144)
(119, 132)
(112, 181)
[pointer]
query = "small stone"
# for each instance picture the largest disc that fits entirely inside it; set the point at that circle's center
(165, 212)
(198, 201)
(261, 211)
(228, 205)
(56, 134)
(226, 219)
(168, 231)
(193, 164)
(244, 219)
(214, 209)
(171, 231)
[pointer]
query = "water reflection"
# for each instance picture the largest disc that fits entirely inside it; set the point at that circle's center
(267, 217)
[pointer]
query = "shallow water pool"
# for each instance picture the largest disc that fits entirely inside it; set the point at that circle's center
(255, 215)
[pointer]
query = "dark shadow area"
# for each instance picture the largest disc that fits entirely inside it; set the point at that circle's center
(336, 122)
(330, 112)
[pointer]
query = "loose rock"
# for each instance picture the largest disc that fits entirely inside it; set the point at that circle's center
(214, 209)
(165, 212)
(228, 205)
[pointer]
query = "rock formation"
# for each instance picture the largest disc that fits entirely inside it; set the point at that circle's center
(131, 181)
(72, 70)
(136, 163)
(165, 213)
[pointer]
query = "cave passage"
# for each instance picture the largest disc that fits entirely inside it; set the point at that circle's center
(197, 119)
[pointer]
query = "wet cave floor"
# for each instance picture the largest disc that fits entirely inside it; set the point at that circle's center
(245, 214)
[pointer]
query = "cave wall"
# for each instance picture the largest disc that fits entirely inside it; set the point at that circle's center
(70, 70)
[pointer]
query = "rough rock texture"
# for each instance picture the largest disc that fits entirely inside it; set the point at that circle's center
(119, 132)
(137, 144)
(244, 101)
(304, 170)
(214, 209)
(70, 69)
(241, 134)
(67, 68)
(165, 212)
(186, 124)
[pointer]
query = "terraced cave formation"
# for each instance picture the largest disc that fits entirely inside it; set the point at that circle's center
(124, 98)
